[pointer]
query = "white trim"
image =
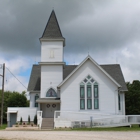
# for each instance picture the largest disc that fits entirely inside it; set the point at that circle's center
(33, 91)
(12, 111)
(88, 57)
(51, 63)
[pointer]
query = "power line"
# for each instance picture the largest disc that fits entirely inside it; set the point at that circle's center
(16, 78)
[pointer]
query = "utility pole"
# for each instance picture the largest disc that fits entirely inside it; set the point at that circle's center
(2, 96)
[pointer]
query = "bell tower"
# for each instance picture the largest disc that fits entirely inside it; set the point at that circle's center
(52, 43)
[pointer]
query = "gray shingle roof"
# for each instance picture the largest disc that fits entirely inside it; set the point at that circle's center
(52, 29)
(113, 70)
(34, 82)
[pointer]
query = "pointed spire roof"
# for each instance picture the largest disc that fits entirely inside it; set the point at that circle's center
(52, 29)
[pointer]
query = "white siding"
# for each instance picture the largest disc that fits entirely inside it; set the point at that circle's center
(51, 76)
(52, 51)
(108, 91)
(32, 98)
(122, 104)
(23, 112)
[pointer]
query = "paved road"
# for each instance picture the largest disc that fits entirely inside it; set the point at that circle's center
(68, 135)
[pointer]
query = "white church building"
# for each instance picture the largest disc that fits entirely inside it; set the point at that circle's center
(71, 95)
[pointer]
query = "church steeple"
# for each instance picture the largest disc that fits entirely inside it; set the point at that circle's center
(52, 46)
(52, 30)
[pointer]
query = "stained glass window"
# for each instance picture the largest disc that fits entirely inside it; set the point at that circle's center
(89, 103)
(82, 103)
(92, 80)
(89, 94)
(89, 91)
(82, 91)
(96, 103)
(95, 91)
(85, 80)
(51, 93)
(82, 96)
(96, 97)
(88, 77)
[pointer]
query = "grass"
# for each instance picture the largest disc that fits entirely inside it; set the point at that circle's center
(3, 126)
(132, 128)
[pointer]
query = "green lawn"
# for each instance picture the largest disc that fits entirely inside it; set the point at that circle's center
(3, 126)
(132, 128)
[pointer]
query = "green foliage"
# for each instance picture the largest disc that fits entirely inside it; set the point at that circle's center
(132, 98)
(3, 126)
(29, 119)
(6, 97)
(28, 103)
(12, 99)
(21, 120)
(17, 100)
(35, 119)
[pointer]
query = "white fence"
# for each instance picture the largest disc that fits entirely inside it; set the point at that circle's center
(86, 119)
(134, 119)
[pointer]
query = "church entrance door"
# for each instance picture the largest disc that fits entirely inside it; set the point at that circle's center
(48, 111)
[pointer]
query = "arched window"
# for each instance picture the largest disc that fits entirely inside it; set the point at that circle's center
(36, 97)
(51, 93)
(89, 96)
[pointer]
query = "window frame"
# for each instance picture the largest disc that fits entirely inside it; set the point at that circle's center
(82, 98)
(96, 96)
(35, 98)
(90, 97)
(119, 102)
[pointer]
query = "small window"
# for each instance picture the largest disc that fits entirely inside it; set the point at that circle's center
(89, 96)
(51, 93)
(89, 103)
(36, 97)
(82, 92)
(96, 97)
(82, 103)
(36, 104)
(119, 101)
(88, 77)
(82, 96)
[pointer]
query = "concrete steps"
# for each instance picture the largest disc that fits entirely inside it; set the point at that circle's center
(47, 123)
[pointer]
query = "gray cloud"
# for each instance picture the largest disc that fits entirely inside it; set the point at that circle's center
(103, 28)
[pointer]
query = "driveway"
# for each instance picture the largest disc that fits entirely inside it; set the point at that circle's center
(69, 135)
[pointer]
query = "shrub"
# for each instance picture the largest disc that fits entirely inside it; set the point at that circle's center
(35, 119)
(29, 119)
(21, 120)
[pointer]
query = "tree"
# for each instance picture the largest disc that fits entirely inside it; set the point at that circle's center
(132, 98)
(12, 99)
(17, 100)
(6, 97)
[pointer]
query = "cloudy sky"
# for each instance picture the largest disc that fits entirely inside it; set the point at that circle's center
(108, 29)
